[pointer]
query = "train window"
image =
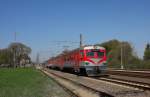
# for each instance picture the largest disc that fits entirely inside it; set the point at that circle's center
(90, 54)
(100, 54)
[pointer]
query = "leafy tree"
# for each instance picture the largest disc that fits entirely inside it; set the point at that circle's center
(20, 52)
(6, 57)
(147, 53)
(17, 51)
(20, 48)
(113, 49)
(146, 57)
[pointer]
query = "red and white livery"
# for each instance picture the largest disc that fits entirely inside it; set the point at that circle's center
(89, 60)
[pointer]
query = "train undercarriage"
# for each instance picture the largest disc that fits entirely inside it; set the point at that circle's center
(84, 71)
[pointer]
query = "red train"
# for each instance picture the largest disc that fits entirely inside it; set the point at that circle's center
(89, 60)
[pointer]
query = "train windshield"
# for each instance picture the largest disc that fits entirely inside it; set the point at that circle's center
(95, 53)
(100, 54)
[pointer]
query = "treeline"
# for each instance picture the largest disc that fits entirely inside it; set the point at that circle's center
(117, 51)
(15, 55)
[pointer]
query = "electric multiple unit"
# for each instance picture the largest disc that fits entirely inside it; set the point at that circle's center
(89, 60)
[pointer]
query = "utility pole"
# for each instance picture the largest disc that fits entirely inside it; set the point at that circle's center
(122, 67)
(81, 40)
(14, 59)
(37, 58)
(14, 50)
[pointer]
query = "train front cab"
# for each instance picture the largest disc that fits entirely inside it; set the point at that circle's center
(93, 62)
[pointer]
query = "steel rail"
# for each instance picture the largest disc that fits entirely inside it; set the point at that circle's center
(71, 93)
(101, 94)
(139, 85)
(140, 74)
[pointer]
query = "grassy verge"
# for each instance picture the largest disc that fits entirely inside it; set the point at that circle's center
(27, 82)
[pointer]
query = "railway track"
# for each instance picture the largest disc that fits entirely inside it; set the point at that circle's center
(85, 91)
(138, 85)
(139, 73)
(89, 87)
(70, 92)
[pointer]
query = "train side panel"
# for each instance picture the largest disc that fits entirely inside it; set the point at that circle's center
(88, 60)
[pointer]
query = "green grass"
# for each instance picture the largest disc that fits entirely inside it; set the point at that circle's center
(27, 82)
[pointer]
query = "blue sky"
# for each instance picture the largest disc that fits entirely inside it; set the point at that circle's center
(40, 22)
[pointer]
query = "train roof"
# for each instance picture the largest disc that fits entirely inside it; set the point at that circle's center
(77, 49)
(92, 47)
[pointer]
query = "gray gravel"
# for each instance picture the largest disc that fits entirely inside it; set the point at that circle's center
(107, 87)
(144, 80)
